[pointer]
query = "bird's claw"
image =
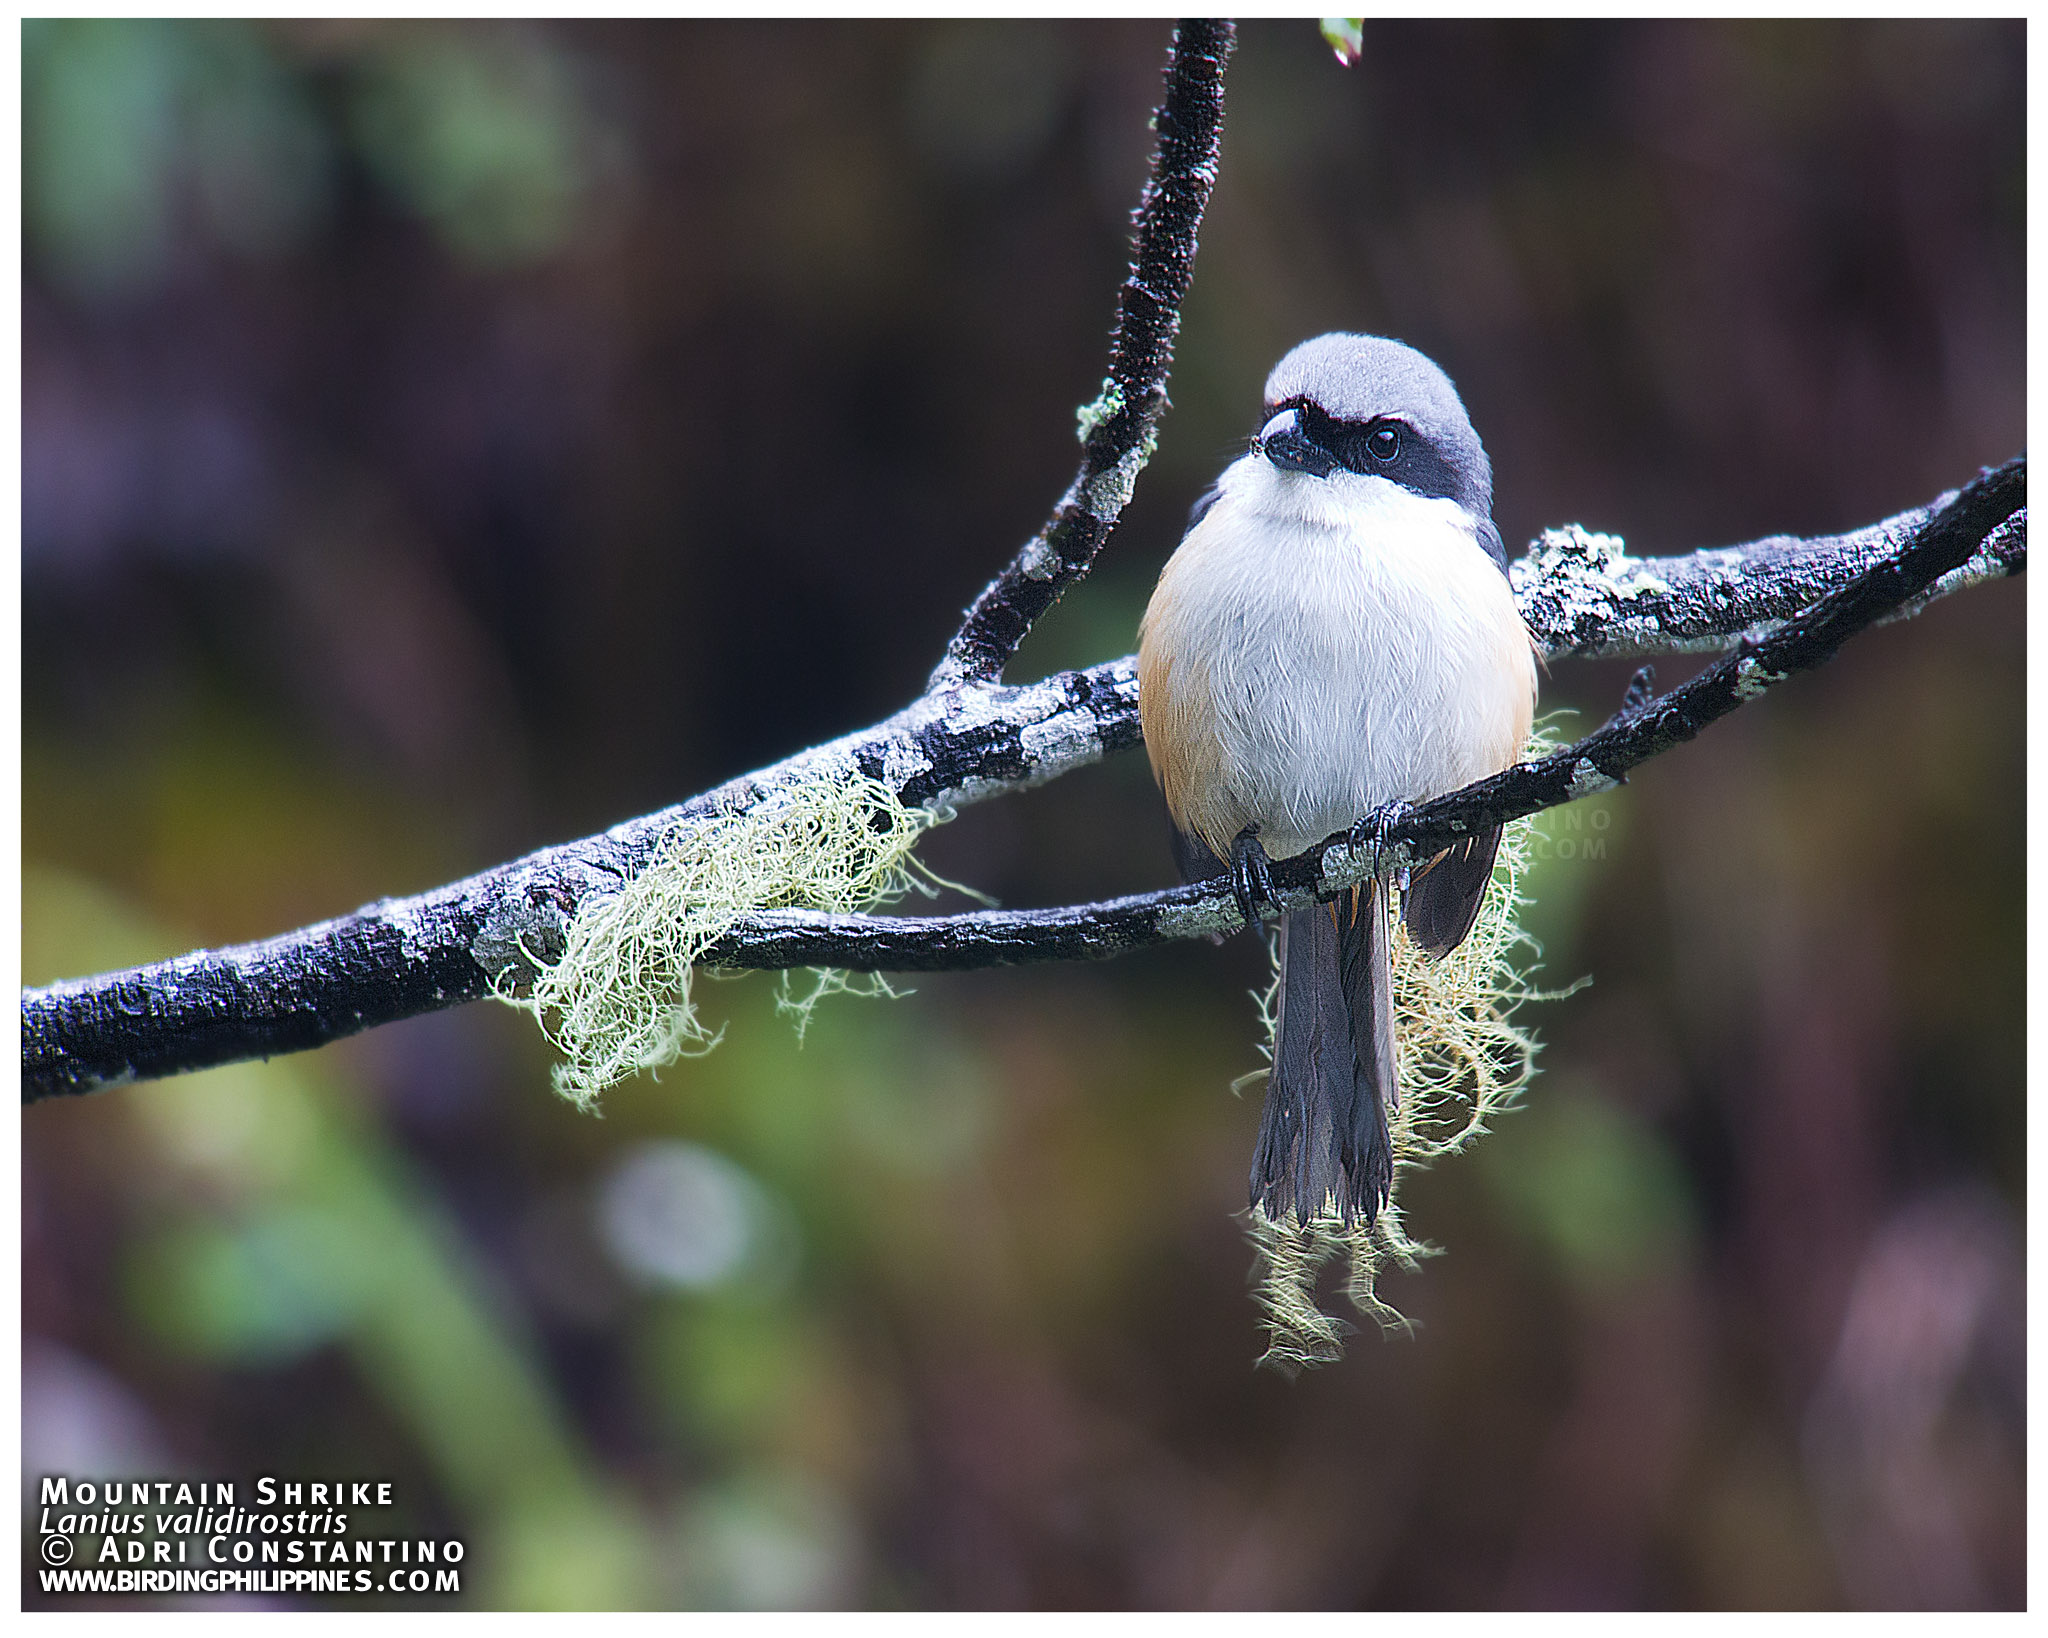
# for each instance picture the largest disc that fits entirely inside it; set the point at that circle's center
(1251, 876)
(1374, 829)
(1642, 688)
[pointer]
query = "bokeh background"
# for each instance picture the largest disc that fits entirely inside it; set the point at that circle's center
(441, 440)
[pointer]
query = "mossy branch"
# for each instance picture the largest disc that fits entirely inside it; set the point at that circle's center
(968, 737)
(1947, 540)
(402, 957)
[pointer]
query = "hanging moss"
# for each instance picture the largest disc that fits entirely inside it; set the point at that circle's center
(619, 1000)
(1460, 1061)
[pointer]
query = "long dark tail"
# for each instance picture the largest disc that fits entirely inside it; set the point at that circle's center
(1323, 1141)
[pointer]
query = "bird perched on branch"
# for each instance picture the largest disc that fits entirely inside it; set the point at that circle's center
(1335, 635)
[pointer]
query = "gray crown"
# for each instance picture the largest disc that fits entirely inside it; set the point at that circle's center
(1357, 378)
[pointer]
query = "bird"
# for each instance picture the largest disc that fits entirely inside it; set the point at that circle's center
(1335, 635)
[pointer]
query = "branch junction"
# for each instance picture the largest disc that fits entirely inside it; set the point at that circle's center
(967, 742)
(1784, 604)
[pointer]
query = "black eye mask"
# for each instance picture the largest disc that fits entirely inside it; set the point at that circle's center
(1384, 447)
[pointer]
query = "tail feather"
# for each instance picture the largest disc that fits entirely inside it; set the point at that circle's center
(1323, 1142)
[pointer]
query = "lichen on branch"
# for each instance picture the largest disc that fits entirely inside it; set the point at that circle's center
(619, 998)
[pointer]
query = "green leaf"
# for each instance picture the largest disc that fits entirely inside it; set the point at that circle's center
(1346, 36)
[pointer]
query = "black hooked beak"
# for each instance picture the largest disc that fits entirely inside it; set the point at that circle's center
(1283, 441)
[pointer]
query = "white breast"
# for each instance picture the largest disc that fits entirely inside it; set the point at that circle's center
(1344, 642)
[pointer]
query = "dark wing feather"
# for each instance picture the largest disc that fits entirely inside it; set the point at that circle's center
(1192, 858)
(1443, 897)
(1491, 543)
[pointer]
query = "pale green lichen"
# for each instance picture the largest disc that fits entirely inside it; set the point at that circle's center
(619, 999)
(1109, 492)
(1108, 405)
(1461, 1061)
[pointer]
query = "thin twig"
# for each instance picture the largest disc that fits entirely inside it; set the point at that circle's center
(1119, 428)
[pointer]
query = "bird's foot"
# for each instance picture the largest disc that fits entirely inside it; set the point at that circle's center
(1251, 876)
(1376, 827)
(1642, 688)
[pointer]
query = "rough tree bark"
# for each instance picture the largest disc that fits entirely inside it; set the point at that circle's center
(1785, 604)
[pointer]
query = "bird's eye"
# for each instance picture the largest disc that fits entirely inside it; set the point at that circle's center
(1383, 444)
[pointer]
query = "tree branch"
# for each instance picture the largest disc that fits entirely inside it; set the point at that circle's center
(401, 957)
(1584, 596)
(1947, 540)
(968, 737)
(1119, 429)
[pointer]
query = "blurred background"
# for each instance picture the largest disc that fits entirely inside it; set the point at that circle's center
(443, 440)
